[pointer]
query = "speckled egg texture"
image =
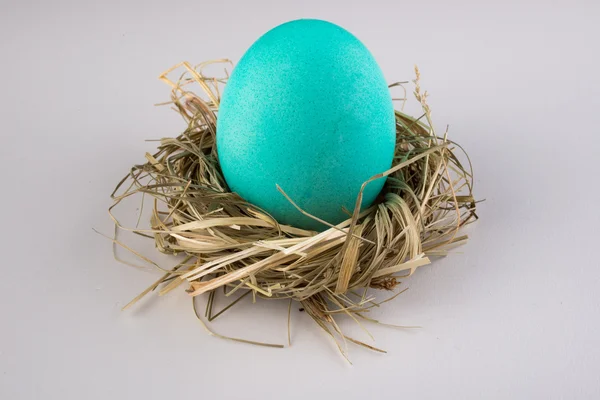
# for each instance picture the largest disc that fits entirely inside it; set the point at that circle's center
(306, 108)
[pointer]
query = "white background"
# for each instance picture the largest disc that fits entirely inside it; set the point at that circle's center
(513, 314)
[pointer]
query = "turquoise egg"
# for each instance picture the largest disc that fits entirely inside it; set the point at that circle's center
(306, 108)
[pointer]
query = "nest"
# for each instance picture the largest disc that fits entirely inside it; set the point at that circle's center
(234, 246)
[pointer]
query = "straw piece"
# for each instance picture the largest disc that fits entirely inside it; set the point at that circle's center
(349, 264)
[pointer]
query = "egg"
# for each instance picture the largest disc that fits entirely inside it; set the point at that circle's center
(306, 108)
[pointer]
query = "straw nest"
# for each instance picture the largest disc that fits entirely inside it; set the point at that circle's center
(234, 246)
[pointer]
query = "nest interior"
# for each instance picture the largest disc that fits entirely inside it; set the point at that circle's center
(235, 246)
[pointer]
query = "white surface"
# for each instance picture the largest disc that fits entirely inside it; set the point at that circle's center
(516, 315)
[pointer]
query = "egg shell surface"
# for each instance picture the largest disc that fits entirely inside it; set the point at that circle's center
(306, 108)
